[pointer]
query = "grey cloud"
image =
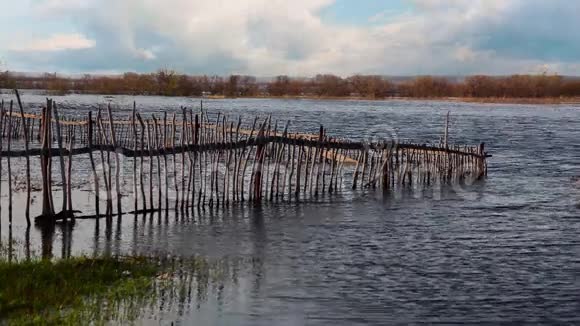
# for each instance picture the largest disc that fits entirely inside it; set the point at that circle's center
(533, 29)
(268, 37)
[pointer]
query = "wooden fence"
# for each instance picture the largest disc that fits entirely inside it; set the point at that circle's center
(186, 162)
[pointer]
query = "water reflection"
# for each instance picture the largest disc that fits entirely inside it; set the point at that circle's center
(185, 285)
(188, 284)
(27, 243)
(47, 240)
(259, 242)
(10, 244)
(192, 284)
(66, 230)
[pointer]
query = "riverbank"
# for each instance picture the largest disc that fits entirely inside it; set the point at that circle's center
(74, 291)
(482, 100)
(533, 101)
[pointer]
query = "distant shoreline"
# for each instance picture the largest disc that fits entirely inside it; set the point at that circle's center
(480, 100)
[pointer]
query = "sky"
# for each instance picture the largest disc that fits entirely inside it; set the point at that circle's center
(296, 38)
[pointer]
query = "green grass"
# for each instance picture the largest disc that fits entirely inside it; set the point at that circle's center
(75, 291)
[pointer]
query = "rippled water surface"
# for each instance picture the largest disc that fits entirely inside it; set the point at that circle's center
(507, 249)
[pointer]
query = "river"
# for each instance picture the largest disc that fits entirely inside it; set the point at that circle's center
(503, 250)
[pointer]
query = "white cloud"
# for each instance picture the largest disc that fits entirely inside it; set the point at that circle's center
(464, 54)
(144, 54)
(57, 42)
(267, 37)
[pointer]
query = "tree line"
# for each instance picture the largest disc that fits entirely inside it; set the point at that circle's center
(170, 83)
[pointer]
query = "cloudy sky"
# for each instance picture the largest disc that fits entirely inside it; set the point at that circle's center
(294, 37)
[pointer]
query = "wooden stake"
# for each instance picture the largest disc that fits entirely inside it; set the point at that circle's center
(10, 168)
(62, 165)
(117, 163)
(150, 148)
(69, 179)
(446, 137)
(1, 143)
(106, 174)
(93, 166)
(141, 158)
(157, 147)
(165, 162)
(134, 129)
(175, 183)
(26, 140)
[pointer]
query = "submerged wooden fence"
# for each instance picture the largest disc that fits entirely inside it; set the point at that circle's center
(191, 161)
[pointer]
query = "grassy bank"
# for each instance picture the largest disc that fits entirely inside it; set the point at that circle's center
(75, 291)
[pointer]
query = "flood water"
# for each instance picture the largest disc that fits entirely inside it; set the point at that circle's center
(503, 250)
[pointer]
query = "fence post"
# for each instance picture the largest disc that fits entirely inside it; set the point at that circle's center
(27, 212)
